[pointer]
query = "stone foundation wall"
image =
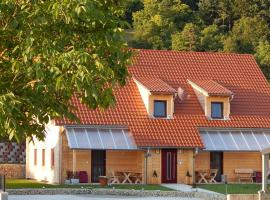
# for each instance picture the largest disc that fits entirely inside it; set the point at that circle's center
(12, 170)
(264, 196)
(242, 197)
(118, 192)
(12, 153)
(260, 196)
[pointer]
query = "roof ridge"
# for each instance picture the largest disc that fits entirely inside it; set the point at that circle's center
(196, 52)
(221, 85)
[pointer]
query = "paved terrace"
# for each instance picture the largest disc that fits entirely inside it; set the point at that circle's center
(90, 197)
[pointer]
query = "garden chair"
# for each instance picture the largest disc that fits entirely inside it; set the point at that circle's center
(212, 175)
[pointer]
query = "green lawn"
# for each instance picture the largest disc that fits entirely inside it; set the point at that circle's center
(232, 188)
(24, 183)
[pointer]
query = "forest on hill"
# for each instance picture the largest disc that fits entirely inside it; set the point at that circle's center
(238, 26)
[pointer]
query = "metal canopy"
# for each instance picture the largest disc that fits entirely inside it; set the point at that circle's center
(235, 139)
(99, 138)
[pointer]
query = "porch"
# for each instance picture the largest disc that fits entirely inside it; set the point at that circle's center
(227, 163)
(91, 152)
(233, 153)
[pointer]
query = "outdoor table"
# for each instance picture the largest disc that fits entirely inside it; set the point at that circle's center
(202, 175)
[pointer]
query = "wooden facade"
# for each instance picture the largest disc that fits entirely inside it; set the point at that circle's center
(121, 160)
(66, 159)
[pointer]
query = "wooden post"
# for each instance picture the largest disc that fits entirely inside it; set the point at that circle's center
(265, 168)
(74, 159)
(145, 167)
(193, 167)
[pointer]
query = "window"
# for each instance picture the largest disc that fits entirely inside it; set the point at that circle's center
(52, 157)
(35, 156)
(43, 157)
(217, 110)
(160, 108)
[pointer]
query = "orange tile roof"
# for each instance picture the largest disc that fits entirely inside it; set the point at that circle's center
(238, 73)
(155, 85)
(212, 87)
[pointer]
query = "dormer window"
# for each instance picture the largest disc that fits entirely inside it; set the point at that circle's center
(160, 109)
(158, 97)
(214, 98)
(217, 110)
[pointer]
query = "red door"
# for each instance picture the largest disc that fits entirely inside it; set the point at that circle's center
(169, 166)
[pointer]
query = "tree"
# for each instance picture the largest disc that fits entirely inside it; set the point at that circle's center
(187, 40)
(252, 8)
(208, 10)
(154, 24)
(263, 57)
(211, 39)
(51, 49)
(246, 35)
(130, 7)
(225, 12)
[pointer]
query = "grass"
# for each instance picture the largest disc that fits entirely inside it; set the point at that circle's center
(24, 183)
(232, 188)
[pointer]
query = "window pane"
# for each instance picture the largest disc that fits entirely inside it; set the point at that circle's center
(160, 108)
(216, 110)
(52, 157)
(43, 157)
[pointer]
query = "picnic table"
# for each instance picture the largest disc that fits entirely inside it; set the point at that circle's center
(130, 176)
(125, 176)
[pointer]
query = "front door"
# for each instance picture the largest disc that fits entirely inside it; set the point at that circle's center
(98, 164)
(216, 162)
(169, 166)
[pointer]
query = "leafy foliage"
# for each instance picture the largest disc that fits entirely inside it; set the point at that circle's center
(211, 38)
(246, 34)
(51, 49)
(187, 40)
(263, 57)
(157, 21)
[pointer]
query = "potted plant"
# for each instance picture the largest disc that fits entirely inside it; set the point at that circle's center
(188, 176)
(155, 176)
(75, 178)
(103, 181)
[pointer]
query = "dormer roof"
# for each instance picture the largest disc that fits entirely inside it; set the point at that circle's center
(155, 85)
(210, 88)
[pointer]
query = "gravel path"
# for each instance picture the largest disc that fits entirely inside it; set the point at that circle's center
(90, 197)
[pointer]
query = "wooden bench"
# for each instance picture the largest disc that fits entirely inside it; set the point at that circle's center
(244, 174)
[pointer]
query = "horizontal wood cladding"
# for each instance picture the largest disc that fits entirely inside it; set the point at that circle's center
(124, 160)
(184, 164)
(202, 161)
(154, 165)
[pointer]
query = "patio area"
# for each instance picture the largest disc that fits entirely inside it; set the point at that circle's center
(93, 154)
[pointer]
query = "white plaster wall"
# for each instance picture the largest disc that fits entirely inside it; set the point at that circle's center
(39, 172)
(144, 94)
(201, 97)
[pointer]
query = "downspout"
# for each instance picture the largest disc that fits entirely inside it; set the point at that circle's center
(60, 150)
(146, 155)
(195, 152)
